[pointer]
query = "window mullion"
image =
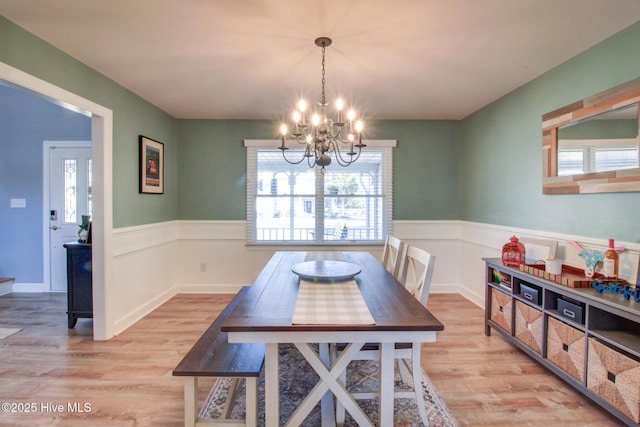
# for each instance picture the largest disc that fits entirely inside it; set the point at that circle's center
(319, 204)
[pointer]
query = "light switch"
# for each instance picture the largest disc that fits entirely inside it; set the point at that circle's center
(18, 203)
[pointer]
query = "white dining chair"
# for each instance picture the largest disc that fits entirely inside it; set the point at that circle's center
(416, 272)
(392, 255)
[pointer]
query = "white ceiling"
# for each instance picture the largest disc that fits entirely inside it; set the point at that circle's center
(400, 59)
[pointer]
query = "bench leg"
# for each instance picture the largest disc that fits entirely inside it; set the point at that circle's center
(190, 401)
(251, 401)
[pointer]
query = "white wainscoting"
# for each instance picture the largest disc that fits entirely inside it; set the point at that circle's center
(154, 262)
(143, 271)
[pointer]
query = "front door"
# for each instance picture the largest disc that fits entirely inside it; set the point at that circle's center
(69, 199)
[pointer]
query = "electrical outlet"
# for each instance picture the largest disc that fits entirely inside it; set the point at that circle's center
(203, 267)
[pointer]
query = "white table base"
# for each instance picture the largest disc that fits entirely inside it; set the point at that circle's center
(329, 375)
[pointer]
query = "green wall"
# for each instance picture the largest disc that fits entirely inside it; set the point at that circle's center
(212, 165)
(486, 168)
(132, 116)
(501, 157)
(600, 129)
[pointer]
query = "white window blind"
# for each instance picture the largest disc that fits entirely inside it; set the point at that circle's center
(585, 156)
(571, 161)
(294, 203)
(616, 158)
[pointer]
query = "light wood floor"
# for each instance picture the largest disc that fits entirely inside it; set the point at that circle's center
(127, 380)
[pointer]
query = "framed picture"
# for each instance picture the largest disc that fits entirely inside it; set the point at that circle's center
(151, 166)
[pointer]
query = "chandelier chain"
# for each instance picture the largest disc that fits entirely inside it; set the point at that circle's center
(323, 76)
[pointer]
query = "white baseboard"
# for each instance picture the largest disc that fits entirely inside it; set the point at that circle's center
(131, 318)
(186, 288)
(461, 290)
(474, 297)
(30, 287)
(445, 289)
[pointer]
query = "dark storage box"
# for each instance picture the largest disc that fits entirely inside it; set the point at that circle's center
(530, 293)
(571, 310)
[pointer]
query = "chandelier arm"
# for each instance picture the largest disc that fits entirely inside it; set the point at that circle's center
(338, 155)
(291, 162)
(309, 162)
(335, 132)
(301, 140)
(357, 156)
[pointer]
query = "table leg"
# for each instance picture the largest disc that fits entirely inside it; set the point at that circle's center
(190, 401)
(328, 410)
(329, 380)
(271, 386)
(386, 383)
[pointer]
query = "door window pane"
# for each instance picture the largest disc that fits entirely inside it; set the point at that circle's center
(70, 200)
(89, 188)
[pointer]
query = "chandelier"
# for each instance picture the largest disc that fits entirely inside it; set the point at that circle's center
(324, 137)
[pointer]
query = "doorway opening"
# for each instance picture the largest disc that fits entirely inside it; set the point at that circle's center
(102, 219)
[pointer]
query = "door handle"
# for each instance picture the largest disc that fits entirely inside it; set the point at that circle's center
(54, 227)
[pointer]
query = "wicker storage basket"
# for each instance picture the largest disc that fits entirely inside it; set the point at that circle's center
(565, 348)
(501, 306)
(614, 377)
(528, 327)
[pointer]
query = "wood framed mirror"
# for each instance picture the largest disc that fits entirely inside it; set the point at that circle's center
(592, 146)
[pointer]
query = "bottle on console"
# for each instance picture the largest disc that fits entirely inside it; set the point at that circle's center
(610, 262)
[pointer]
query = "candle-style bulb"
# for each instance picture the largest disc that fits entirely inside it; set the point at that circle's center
(283, 132)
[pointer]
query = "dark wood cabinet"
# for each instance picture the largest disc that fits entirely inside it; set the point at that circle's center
(79, 282)
(589, 339)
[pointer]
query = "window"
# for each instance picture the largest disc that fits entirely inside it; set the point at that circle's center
(585, 156)
(295, 203)
(70, 196)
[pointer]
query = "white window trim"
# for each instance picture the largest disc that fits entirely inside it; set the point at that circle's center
(253, 144)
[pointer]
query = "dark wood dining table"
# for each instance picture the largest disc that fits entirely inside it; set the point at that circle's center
(265, 315)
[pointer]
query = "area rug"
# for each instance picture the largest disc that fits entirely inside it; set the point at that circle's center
(299, 378)
(5, 332)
